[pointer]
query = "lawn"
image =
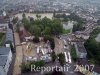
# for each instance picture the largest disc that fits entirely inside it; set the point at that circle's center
(2, 36)
(66, 31)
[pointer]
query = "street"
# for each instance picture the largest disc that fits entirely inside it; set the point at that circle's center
(19, 55)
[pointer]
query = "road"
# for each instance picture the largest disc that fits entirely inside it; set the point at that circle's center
(19, 55)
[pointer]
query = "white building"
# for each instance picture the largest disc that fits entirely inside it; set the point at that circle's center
(4, 13)
(5, 60)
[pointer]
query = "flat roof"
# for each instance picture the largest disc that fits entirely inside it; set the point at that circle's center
(81, 47)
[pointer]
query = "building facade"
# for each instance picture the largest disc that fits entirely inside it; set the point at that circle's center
(5, 60)
(80, 50)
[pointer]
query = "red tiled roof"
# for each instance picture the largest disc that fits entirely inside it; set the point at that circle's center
(3, 19)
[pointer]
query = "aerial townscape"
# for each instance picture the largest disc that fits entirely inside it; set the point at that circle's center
(49, 37)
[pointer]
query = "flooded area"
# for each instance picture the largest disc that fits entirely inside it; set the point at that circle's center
(48, 15)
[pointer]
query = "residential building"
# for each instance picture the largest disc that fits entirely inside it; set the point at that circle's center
(9, 38)
(83, 35)
(3, 20)
(80, 50)
(3, 27)
(5, 60)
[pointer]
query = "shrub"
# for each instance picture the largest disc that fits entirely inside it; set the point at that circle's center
(25, 68)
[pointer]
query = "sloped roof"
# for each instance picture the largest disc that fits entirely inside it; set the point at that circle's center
(3, 60)
(4, 24)
(4, 50)
(3, 20)
(9, 35)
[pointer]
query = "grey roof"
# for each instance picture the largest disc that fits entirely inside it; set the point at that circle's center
(3, 60)
(4, 24)
(81, 47)
(9, 35)
(4, 50)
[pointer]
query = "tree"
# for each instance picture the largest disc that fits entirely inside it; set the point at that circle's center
(45, 25)
(61, 59)
(36, 39)
(51, 40)
(93, 47)
(38, 16)
(26, 22)
(12, 48)
(46, 22)
(40, 63)
(52, 44)
(17, 27)
(15, 20)
(53, 55)
(73, 53)
(57, 28)
(55, 73)
(36, 30)
(25, 68)
(31, 20)
(47, 31)
(23, 15)
(54, 13)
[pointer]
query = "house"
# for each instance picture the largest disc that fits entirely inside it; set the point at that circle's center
(85, 35)
(3, 20)
(80, 50)
(5, 60)
(78, 34)
(3, 27)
